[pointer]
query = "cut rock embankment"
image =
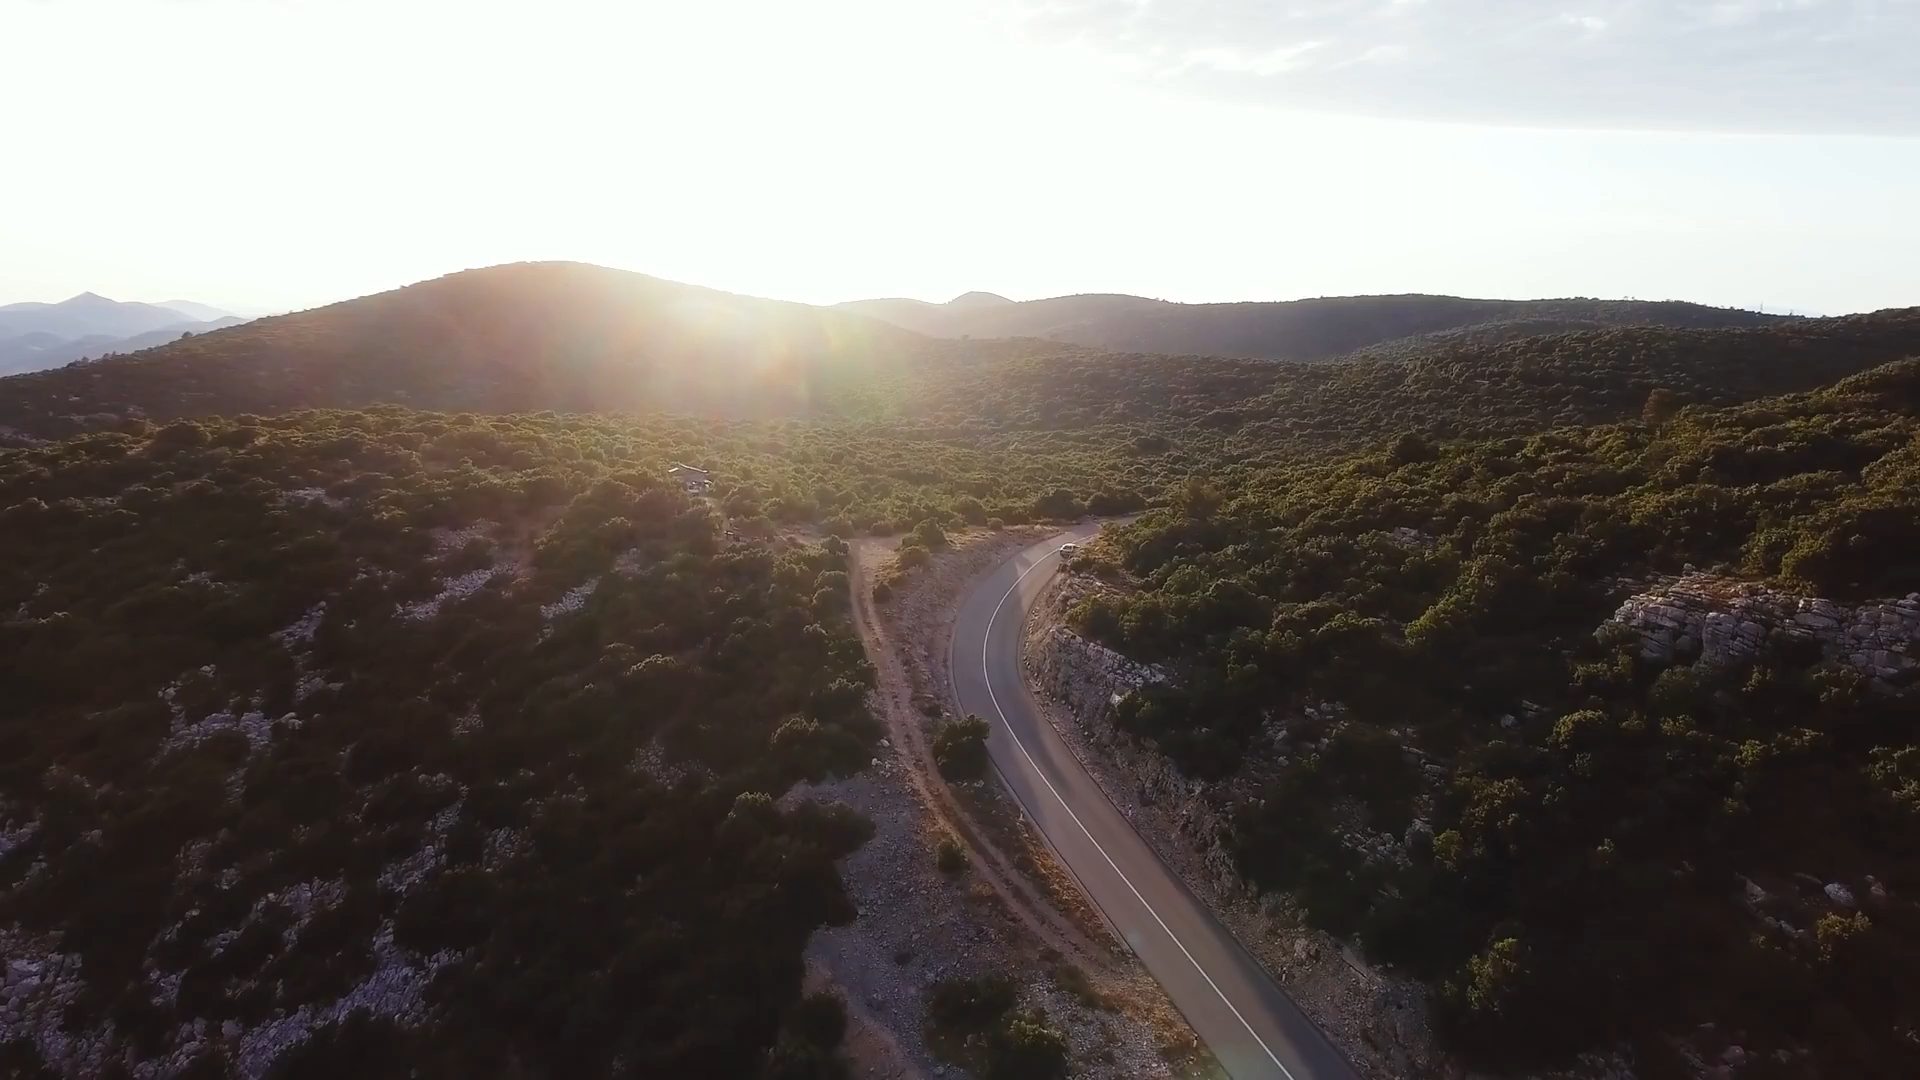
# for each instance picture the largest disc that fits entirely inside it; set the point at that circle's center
(1378, 1021)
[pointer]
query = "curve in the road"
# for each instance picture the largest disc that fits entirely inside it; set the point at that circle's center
(1252, 1027)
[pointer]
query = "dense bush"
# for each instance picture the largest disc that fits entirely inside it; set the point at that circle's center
(950, 856)
(960, 748)
(475, 725)
(966, 1006)
(1574, 878)
(975, 1021)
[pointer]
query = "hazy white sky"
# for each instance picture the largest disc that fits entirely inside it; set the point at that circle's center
(271, 155)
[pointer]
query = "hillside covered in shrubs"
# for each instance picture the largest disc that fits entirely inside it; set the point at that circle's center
(1253, 410)
(579, 339)
(390, 744)
(1400, 666)
(515, 338)
(1315, 329)
(376, 704)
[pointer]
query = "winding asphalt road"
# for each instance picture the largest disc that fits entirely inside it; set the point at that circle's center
(1251, 1026)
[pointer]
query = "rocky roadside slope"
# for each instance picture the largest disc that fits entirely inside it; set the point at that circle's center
(1378, 1021)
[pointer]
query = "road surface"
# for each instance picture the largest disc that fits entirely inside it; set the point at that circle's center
(1251, 1026)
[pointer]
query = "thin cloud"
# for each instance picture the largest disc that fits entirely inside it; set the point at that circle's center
(1809, 66)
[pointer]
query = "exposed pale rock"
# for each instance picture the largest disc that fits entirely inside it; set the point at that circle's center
(1723, 622)
(574, 599)
(453, 588)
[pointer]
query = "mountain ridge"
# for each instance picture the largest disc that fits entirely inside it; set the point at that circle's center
(87, 314)
(575, 338)
(35, 335)
(566, 336)
(1308, 329)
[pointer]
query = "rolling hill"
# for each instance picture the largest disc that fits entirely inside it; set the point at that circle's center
(577, 338)
(1293, 330)
(88, 314)
(36, 336)
(527, 336)
(40, 350)
(1451, 389)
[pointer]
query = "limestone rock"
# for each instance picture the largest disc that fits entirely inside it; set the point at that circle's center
(1724, 622)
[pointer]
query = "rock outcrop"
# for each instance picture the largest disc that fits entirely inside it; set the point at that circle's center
(1721, 622)
(1087, 676)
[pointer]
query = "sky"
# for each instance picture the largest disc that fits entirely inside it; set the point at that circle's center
(267, 155)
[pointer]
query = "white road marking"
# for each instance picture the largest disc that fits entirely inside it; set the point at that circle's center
(987, 676)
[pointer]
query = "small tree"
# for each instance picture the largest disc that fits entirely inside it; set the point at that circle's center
(970, 509)
(950, 857)
(1028, 1048)
(966, 1006)
(1411, 447)
(1199, 499)
(1059, 504)
(960, 748)
(930, 535)
(1662, 405)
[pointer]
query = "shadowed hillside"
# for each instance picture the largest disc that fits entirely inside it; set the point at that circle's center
(1294, 330)
(576, 338)
(521, 337)
(1453, 390)
(1581, 843)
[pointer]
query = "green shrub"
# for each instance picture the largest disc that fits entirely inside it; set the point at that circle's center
(960, 748)
(930, 535)
(968, 1006)
(1059, 505)
(950, 856)
(1070, 978)
(1028, 1048)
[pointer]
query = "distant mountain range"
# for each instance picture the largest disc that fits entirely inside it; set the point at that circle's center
(1318, 329)
(574, 338)
(34, 336)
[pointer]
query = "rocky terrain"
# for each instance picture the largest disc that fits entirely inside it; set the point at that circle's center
(1720, 621)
